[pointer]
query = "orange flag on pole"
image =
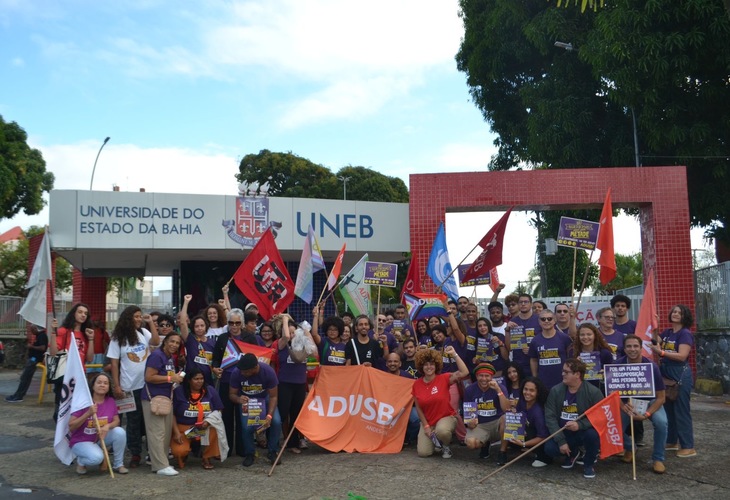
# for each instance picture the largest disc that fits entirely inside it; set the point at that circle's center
(605, 417)
(607, 260)
(336, 269)
(647, 316)
(357, 408)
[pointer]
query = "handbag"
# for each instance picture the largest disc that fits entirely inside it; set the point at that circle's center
(55, 366)
(671, 389)
(671, 386)
(160, 405)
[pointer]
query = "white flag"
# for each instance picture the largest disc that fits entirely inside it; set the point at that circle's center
(75, 396)
(35, 306)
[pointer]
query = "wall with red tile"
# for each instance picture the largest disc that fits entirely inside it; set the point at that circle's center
(660, 194)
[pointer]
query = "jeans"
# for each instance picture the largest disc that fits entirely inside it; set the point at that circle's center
(587, 438)
(659, 421)
(679, 416)
(26, 377)
(91, 453)
(274, 433)
(414, 424)
(135, 425)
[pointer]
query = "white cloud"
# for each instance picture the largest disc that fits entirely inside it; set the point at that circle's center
(17, 62)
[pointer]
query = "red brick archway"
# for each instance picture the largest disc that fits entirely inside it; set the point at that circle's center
(660, 193)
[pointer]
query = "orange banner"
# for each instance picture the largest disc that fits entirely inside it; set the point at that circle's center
(605, 417)
(357, 408)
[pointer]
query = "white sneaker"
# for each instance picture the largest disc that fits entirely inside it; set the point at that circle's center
(168, 471)
(539, 463)
(446, 453)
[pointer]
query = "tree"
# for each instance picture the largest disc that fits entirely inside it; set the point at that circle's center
(664, 61)
(14, 267)
(365, 184)
(629, 272)
(23, 176)
(293, 176)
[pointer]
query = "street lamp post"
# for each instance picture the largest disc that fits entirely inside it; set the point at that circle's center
(91, 185)
(344, 180)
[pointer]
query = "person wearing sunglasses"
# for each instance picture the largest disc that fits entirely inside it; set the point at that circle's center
(548, 351)
(241, 327)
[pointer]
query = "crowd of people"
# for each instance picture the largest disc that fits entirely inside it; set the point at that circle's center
(473, 376)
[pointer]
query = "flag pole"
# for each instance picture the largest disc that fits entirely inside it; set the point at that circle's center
(633, 443)
(377, 313)
(585, 277)
(103, 446)
(572, 283)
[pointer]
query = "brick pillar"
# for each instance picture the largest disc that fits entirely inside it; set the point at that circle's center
(92, 292)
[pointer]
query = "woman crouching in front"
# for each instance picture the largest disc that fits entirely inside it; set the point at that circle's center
(433, 403)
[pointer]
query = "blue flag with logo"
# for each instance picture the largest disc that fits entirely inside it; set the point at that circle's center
(439, 265)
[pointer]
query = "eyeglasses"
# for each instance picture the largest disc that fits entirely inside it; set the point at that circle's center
(524, 301)
(235, 323)
(381, 320)
(547, 319)
(165, 325)
(561, 312)
(609, 317)
(267, 331)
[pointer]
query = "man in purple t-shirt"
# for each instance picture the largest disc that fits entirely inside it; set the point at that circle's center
(522, 329)
(548, 351)
(490, 403)
(621, 305)
(251, 384)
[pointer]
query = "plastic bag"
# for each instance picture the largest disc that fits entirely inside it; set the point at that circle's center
(302, 344)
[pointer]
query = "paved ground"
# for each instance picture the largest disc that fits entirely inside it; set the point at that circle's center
(27, 461)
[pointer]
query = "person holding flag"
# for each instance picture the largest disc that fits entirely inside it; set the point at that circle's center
(565, 405)
(655, 412)
(98, 422)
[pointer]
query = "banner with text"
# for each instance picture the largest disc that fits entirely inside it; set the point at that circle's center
(357, 408)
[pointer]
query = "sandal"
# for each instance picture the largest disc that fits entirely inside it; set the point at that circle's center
(207, 465)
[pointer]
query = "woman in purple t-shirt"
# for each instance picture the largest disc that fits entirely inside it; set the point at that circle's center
(85, 435)
(292, 381)
(159, 376)
(674, 346)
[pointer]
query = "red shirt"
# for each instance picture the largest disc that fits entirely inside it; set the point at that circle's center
(434, 398)
(62, 342)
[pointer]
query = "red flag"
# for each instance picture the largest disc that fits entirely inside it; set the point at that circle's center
(332, 280)
(493, 279)
(491, 257)
(605, 417)
(263, 278)
(647, 316)
(607, 260)
(413, 279)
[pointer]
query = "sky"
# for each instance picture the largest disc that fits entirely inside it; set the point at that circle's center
(185, 89)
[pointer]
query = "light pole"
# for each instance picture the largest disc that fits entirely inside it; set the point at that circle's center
(91, 185)
(344, 180)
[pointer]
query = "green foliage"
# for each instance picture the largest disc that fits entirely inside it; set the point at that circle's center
(629, 272)
(14, 267)
(23, 176)
(292, 176)
(665, 60)
(592, 4)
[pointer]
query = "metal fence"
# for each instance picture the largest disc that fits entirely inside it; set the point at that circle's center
(712, 297)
